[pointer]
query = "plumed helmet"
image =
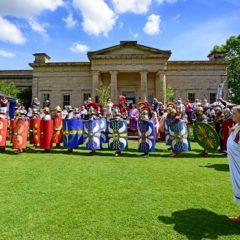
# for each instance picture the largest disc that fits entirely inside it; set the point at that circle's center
(46, 110)
(58, 109)
(116, 110)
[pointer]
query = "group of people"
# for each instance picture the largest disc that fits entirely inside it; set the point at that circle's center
(95, 124)
(151, 122)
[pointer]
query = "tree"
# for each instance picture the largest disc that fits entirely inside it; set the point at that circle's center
(25, 96)
(232, 51)
(103, 94)
(170, 93)
(9, 88)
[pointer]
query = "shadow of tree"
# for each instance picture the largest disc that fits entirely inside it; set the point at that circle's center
(197, 224)
(218, 167)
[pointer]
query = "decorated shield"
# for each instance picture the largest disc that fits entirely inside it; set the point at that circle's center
(72, 132)
(46, 134)
(147, 140)
(20, 131)
(57, 130)
(34, 133)
(117, 134)
(3, 132)
(225, 131)
(104, 135)
(167, 124)
(179, 136)
(92, 133)
(10, 134)
(206, 136)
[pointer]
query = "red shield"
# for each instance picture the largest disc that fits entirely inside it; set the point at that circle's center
(12, 125)
(34, 133)
(3, 132)
(46, 134)
(57, 130)
(20, 130)
(225, 131)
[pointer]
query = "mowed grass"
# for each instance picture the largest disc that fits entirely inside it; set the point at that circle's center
(76, 196)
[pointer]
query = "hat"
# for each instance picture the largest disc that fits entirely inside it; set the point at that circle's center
(46, 110)
(58, 109)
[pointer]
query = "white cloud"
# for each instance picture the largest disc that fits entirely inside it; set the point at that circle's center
(6, 54)
(98, 18)
(135, 6)
(152, 26)
(37, 27)
(79, 48)
(27, 9)
(70, 22)
(10, 32)
(134, 34)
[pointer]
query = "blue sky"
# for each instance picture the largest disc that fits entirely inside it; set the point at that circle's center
(67, 29)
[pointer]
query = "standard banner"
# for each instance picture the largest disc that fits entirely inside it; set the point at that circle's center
(34, 133)
(72, 132)
(20, 132)
(146, 133)
(3, 132)
(117, 134)
(92, 133)
(46, 134)
(57, 130)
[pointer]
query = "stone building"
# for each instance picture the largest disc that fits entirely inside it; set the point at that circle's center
(136, 71)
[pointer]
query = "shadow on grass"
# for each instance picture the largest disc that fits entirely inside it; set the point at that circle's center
(197, 224)
(218, 167)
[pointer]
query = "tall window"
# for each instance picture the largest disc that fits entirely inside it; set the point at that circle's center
(191, 97)
(66, 99)
(212, 97)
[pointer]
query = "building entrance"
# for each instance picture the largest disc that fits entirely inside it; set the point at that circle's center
(130, 97)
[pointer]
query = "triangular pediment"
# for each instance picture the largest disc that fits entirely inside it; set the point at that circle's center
(128, 48)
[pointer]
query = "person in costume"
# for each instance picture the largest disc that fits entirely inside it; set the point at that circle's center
(233, 154)
(218, 123)
(92, 129)
(134, 115)
(34, 128)
(20, 130)
(57, 126)
(178, 134)
(72, 130)
(123, 106)
(146, 130)
(46, 130)
(117, 131)
(3, 129)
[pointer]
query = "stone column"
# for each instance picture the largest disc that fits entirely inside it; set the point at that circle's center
(95, 83)
(161, 93)
(114, 91)
(144, 93)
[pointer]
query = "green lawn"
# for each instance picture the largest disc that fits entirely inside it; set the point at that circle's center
(77, 196)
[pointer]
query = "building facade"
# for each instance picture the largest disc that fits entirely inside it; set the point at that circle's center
(139, 72)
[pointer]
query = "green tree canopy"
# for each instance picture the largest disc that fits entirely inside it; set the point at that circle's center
(9, 88)
(232, 50)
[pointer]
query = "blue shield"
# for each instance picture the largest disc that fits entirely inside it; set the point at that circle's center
(72, 132)
(147, 140)
(103, 125)
(92, 133)
(117, 134)
(179, 136)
